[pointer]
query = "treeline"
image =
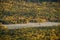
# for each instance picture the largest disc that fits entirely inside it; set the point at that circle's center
(41, 0)
(31, 0)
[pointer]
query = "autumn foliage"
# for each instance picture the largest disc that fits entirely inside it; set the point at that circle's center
(14, 11)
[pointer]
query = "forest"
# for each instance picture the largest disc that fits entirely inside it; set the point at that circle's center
(31, 33)
(25, 11)
(20, 11)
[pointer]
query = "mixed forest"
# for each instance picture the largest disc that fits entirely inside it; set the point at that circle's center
(25, 11)
(31, 33)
